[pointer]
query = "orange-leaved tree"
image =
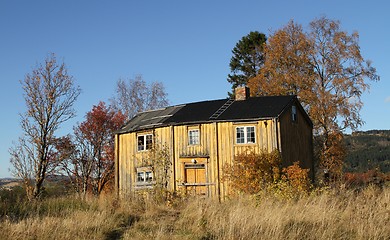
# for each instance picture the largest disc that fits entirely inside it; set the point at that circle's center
(325, 68)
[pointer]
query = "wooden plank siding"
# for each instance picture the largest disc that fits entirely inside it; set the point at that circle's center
(216, 149)
(199, 160)
(228, 148)
(296, 140)
(200, 167)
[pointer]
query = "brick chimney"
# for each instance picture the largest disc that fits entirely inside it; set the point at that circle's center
(242, 93)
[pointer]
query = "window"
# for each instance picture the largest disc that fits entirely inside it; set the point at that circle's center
(193, 137)
(140, 176)
(245, 135)
(294, 113)
(240, 135)
(145, 142)
(144, 176)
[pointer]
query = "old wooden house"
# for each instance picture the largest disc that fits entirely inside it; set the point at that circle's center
(202, 137)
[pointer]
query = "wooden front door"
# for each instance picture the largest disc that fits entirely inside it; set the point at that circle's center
(195, 179)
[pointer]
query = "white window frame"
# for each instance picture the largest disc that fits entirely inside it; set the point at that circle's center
(193, 139)
(145, 144)
(246, 138)
(144, 177)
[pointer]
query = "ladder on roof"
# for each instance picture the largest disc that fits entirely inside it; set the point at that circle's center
(222, 109)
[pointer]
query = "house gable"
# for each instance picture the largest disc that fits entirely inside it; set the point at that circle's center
(299, 108)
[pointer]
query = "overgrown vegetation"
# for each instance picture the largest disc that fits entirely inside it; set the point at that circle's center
(254, 173)
(158, 161)
(324, 214)
(278, 203)
(251, 172)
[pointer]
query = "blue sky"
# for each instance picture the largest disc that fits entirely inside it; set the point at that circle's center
(184, 44)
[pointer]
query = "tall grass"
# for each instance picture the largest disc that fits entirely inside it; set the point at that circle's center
(342, 214)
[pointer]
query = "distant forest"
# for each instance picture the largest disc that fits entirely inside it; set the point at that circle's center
(368, 150)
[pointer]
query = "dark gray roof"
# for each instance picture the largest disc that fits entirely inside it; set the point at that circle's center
(200, 112)
(150, 119)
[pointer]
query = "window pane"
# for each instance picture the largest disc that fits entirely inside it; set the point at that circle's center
(141, 143)
(240, 135)
(193, 137)
(140, 176)
(250, 134)
(294, 113)
(148, 176)
(149, 141)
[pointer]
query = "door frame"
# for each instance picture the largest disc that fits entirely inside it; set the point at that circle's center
(194, 163)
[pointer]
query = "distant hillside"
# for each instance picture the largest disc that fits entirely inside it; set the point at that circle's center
(368, 150)
(7, 183)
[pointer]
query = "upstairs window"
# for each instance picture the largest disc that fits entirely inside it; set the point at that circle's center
(294, 114)
(245, 135)
(193, 137)
(145, 142)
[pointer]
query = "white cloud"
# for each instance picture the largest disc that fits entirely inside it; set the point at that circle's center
(387, 100)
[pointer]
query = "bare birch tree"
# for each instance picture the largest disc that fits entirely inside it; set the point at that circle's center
(135, 95)
(49, 95)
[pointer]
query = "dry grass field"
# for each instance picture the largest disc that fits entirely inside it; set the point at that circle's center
(327, 214)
